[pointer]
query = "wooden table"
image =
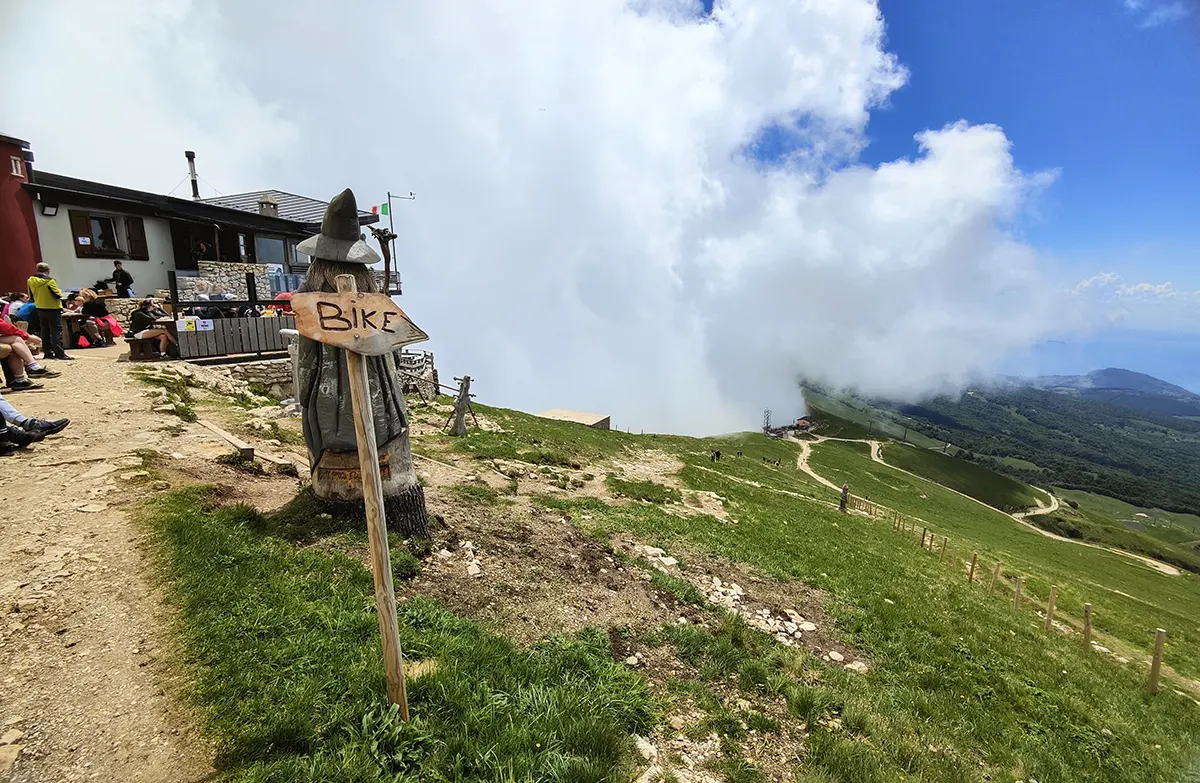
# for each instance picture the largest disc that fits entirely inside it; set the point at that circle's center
(72, 328)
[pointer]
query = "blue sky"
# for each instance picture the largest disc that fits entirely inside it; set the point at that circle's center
(1107, 95)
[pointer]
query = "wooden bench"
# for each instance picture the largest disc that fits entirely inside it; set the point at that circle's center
(142, 350)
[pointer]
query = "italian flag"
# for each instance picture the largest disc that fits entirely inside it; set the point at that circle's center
(379, 209)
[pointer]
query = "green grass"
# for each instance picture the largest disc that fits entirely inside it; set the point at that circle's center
(1022, 464)
(684, 591)
(953, 668)
(1159, 534)
(649, 491)
(284, 652)
(1131, 599)
(848, 417)
(478, 494)
(988, 486)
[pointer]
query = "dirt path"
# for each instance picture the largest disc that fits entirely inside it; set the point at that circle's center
(83, 643)
(1020, 517)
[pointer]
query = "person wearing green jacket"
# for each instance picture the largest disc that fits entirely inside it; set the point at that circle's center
(47, 299)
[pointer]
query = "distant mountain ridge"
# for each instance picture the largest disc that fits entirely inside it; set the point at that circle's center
(1124, 388)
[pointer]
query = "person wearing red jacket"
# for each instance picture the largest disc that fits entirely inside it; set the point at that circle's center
(20, 358)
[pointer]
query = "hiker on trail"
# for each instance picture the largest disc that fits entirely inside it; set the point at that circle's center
(122, 280)
(845, 497)
(47, 300)
(14, 348)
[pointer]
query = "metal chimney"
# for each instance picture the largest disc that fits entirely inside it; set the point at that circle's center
(191, 159)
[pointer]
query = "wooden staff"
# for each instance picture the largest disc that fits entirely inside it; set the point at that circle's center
(1087, 627)
(377, 543)
(971, 573)
(945, 542)
(1017, 594)
(995, 576)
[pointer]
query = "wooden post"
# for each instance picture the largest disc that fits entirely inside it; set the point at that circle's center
(1087, 627)
(924, 532)
(460, 407)
(945, 541)
(1160, 641)
(995, 576)
(381, 562)
(1017, 593)
(971, 573)
(1050, 609)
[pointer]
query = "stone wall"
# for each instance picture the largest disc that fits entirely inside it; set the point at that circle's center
(271, 376)
(121, 308)
(218, 277)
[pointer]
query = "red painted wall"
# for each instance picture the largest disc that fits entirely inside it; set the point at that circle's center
(20, 251)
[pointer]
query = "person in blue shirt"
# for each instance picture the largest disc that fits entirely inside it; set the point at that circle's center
(26, 312)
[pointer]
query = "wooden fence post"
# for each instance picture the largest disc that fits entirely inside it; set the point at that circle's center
(1160, 641)
(995, 576)
(945, 542)
(924, 532)
(971, 573)
(1017, 594)
(1087, 627)
(1050, 609)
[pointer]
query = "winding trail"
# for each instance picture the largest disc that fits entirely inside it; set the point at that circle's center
(1021, 516)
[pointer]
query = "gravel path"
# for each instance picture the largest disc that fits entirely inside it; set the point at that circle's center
(87, 690)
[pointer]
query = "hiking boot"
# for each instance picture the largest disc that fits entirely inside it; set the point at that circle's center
(18, 437)
(23, 385)
(45, 427)
(65, 358)
(7, 449)
(43, 372)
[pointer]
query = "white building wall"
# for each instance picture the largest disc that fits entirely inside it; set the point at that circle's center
(58, 250)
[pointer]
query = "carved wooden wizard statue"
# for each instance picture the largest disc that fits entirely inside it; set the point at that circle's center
(324, 389)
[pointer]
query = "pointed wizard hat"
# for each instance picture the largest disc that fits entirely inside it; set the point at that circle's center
(341, 237)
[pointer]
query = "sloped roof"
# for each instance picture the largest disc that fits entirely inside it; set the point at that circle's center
(301, 209)
(559, 414)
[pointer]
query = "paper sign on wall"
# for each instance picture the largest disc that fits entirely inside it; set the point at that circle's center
(204, 326)
(186, 325)
(84, 240)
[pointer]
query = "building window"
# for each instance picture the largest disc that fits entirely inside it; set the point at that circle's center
(104, 234)
(18, 166)
(242, 248)
(100, 235)
(269, 250)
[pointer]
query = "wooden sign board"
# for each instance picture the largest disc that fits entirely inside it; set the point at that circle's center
(369, 324)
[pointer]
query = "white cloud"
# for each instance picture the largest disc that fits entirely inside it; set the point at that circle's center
(1102, 280)
(1159, 13)
(588, 230)
(1106, 299)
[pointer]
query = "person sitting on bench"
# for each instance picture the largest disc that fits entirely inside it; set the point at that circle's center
(20, 359)
(97, 324)
(143, 324)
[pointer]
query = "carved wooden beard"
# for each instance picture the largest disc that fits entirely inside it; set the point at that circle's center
(322, 276)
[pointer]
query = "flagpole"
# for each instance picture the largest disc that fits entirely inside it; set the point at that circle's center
(387, 284)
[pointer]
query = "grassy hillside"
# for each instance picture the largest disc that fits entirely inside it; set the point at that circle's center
(281, 637)
(981, 483)
(1091, 445)
(850, 417)
(1172, 538)
(1131, 599)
